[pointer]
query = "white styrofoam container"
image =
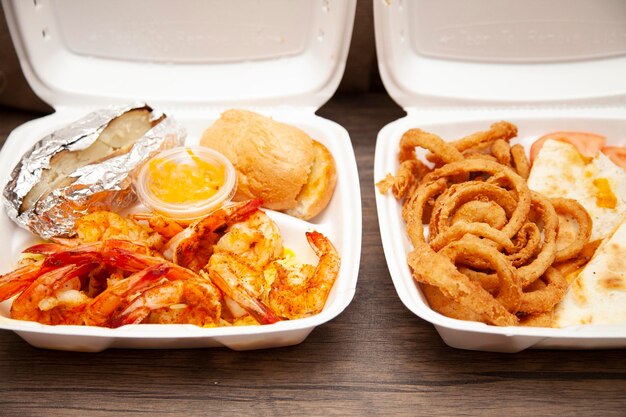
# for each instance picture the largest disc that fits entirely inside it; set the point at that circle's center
(192, 60)
(456, 67)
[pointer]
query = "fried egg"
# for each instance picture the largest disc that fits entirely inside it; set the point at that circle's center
(599, 185)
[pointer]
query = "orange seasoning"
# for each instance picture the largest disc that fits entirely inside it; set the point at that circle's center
(604, 195)
(185, 182)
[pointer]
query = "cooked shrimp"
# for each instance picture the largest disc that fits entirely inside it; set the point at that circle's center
(102, 225)
(187, 301)
(167, 228)
(193, 247)
(302, 291)
(255, 240)
(240, 282)
(85, 285)
(17, 281)
(60, 256)
(248, 246)
(57, 256)
(55, 297)
(102, 310)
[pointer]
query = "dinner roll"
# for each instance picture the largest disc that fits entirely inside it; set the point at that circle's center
(275, 162)
(316, 193)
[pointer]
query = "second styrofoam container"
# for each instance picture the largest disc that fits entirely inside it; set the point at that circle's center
(457, 69)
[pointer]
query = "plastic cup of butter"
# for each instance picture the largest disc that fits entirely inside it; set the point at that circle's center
(186, 183)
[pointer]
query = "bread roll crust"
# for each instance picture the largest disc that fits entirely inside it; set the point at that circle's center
(317, 192)
(275, 162)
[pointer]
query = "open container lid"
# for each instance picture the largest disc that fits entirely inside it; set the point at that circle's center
(196, 53)
(451, 53)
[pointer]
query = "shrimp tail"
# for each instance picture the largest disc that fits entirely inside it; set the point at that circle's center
(45, 248)
(142, 304)
(167, 228)
(17, 281)
(132, 317)
(77, 255)
(257, 309)
(102, 311)
(328, 266)
(245, 210)
(193, 247)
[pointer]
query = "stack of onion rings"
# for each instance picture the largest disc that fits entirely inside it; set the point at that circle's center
(492, 253)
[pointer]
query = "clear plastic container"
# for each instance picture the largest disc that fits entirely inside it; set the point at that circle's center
(186, 158)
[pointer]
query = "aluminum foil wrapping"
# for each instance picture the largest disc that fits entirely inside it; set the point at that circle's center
(103, 185)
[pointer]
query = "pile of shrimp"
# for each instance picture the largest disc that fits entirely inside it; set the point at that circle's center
(229, 268)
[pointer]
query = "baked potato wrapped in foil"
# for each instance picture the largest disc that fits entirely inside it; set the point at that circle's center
(86, 166)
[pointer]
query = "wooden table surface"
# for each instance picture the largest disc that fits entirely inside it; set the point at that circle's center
(376, 358)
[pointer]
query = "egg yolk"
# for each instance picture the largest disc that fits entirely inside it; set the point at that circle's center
(174, 182)
(604, 195)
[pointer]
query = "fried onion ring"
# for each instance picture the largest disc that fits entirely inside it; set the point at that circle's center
(413, 211)
(432, 268)
(478, 211)
(468, 249)
(459, 194)
(541, 210)
(572, 208)
(409, 174)
(447, 306)
(499, 130)
(479, 155)
(520, 162)
(544, 299)
(418, 138)
(467, 166)
(537, 320)
(489, 282)
(527, 244)
(435, 269)
(458, 230)
(502, 151)
(479, 140)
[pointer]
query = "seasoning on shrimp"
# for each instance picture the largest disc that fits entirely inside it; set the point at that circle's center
(229, 268)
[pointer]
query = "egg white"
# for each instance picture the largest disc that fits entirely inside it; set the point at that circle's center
(559, 170)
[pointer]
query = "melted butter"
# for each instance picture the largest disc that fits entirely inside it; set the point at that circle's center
(174, 182)
(604, 195)
(288, 253)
